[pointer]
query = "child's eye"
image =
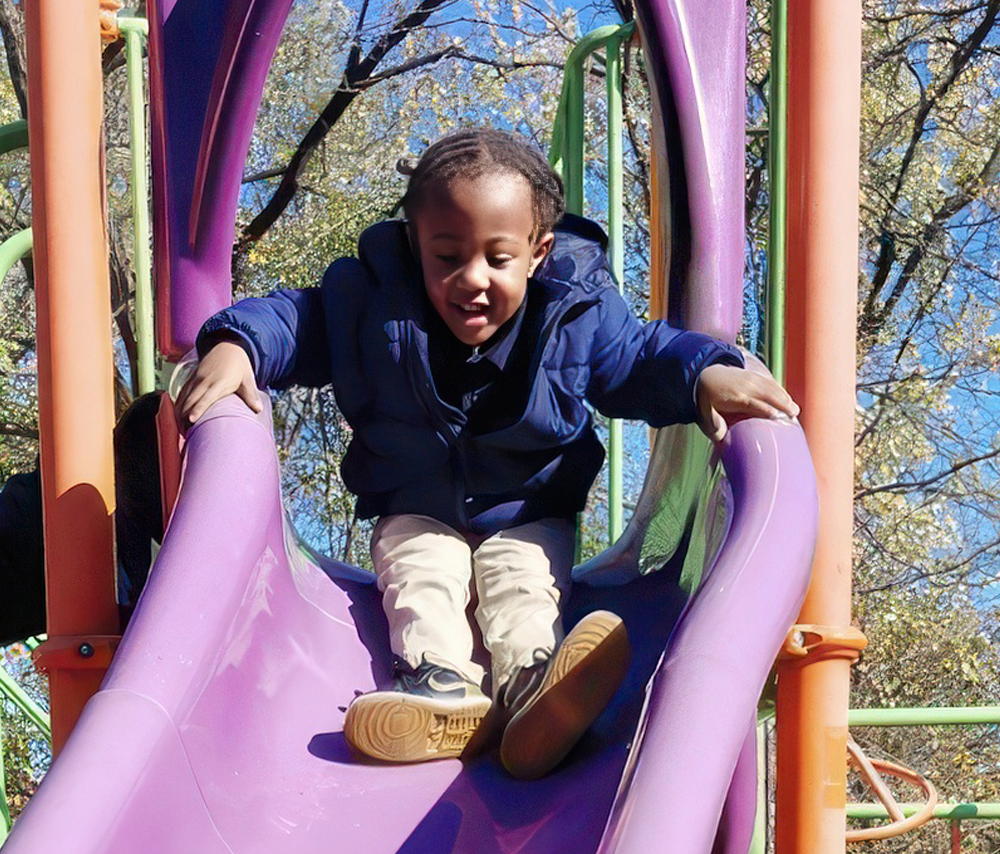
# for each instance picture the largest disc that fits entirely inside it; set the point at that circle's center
(446, 259)
(500, 260)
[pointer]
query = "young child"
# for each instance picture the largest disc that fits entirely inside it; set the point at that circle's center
(463, 346)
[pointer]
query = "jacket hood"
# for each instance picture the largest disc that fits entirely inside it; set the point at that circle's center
(574, 268)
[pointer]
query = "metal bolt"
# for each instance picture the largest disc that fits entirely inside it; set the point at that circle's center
(86, 650)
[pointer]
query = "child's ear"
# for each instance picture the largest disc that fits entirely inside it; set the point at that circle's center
(542, 248)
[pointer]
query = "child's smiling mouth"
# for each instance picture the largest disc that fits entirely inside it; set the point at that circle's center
(471, 314)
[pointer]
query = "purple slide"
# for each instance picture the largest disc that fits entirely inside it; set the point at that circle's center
(219, 725)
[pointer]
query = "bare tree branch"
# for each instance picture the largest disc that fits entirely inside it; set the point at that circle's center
(913, 486)
(920, 575)
(872, 316)
(12, 31)
(358, 71)
(18, 430)
(455, 52)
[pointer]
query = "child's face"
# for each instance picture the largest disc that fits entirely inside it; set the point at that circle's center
(476, 251)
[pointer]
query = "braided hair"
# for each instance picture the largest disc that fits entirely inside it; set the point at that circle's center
(475, 152)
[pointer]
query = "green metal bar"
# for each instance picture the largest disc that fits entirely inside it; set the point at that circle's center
(778, 181)
(758, 842)
(567, 151)
(135, 30)
(13, 249)
(955, 812)
(13, 136)
(567, 155)
(573, 150)
(558, 134)
(5, 822)
(940, 715)
(616, 255)
(944, 715)
(31, 710)
(28, 707)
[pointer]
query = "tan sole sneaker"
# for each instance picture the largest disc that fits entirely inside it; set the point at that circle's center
(397, 727)
(581, 679)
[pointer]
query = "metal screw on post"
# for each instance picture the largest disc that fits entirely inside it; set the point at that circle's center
(86, 650)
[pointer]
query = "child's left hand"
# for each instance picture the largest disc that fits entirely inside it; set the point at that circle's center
(724, 390)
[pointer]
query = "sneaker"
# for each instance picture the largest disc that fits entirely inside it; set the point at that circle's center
(431, 712)
(553, 702)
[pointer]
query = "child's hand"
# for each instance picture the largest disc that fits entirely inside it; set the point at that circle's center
(724, 390)
(225, 369)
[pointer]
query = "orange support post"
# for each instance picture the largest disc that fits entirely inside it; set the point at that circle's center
(75, 397)
(824, 38)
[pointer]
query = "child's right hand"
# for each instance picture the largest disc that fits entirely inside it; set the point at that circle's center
(225, 369)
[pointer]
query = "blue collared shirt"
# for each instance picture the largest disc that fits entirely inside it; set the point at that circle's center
(463, 374)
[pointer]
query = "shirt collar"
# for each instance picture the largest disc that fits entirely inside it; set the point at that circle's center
(498, 349)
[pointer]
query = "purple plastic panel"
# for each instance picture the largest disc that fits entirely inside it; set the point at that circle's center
(697, 54)
(208, 63)
(210, 60)
(703, 696)
(219, 726)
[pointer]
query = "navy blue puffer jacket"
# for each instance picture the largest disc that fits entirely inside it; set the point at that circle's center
(364, 330)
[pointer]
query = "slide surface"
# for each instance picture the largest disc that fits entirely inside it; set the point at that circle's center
(219, 726)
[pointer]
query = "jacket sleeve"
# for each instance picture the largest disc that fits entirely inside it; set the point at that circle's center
(648, 371)
(284, 334)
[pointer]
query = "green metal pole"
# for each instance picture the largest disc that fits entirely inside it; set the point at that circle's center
(945, 715)
(573, 153)
(135, 30)
(10, 690)
(28, 707)
(758, 842)
(616, 255)
(5, 821)
(558, 137)
(568, 136)
(14, 136)
(955, 812)
(778, 181)
(13, 249)
(567, 156)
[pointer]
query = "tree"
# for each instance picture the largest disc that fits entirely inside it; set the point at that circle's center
(355, 86)
(926, 522)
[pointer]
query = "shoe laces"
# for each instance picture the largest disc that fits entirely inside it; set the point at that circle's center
(428, 679)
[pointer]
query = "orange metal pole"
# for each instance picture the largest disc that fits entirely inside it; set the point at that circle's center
(75, 396)
(824, 38)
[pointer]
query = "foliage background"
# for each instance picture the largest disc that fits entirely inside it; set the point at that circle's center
(926, 522)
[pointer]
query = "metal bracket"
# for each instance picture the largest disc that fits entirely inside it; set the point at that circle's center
(813, 642)
(109, 10)
(76, 652)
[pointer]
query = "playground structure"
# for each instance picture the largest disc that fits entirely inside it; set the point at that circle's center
(221, 701)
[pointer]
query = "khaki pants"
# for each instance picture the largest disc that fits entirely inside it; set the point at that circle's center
(425, 570)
